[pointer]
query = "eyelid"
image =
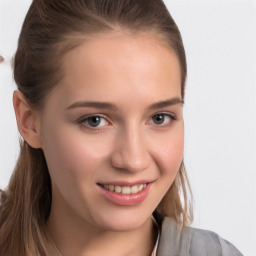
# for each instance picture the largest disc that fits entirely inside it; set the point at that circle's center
(166, 113)
(83, 119)
(172, 116)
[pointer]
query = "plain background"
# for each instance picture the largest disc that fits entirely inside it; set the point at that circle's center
(220, 110)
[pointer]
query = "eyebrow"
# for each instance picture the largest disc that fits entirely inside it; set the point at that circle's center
(166, 103)
(113, 107)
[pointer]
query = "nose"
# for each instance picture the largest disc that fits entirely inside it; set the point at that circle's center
(130, 151)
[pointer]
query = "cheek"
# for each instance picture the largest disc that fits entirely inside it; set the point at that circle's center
(71, 158)
(168, 155)
(169, 152)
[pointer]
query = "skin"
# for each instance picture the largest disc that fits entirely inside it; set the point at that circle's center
(131, 72)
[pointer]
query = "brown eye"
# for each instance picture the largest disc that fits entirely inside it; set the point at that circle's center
(158, 119)
(163, 119)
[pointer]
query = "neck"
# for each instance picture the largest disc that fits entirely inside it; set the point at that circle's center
(72, 235)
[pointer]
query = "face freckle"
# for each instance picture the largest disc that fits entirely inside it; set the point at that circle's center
(130, 75)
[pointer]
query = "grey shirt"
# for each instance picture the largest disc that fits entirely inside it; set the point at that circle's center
(191, 241)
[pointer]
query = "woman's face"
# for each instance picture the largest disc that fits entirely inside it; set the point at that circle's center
(114, 123)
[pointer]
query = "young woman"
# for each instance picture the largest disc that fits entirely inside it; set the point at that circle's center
(99, 106)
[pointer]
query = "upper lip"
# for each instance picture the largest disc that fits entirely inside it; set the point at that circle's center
(126, 183)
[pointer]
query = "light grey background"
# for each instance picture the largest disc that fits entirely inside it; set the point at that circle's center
(220, 110)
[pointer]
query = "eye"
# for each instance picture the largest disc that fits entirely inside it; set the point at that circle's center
(163, 119)
(93, 122)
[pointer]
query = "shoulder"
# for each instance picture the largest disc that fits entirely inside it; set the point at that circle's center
(192, 242)
(204, 242)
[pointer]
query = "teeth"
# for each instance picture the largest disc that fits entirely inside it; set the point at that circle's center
(125, 189)
(118, 189)
(134, 189)
(111, 187)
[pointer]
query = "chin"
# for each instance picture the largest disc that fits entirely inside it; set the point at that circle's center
(121, 223)
(121, 227)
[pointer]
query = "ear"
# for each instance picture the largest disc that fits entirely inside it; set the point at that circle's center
(27, 120)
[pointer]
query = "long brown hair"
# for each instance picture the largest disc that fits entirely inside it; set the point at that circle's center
(50, 30)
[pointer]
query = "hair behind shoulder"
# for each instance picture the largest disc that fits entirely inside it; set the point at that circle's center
(50, 30)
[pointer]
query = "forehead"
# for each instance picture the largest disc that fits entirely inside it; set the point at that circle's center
(112, 64)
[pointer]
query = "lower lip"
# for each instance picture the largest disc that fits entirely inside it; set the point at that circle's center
(122, 199)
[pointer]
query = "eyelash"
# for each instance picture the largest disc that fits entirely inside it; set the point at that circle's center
(169, 115)
(84, 119)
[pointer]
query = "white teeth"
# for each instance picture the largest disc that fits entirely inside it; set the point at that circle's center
(125, 189)
(134, 189)
(118, 189)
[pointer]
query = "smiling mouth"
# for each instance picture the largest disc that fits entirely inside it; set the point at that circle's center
(126, 190)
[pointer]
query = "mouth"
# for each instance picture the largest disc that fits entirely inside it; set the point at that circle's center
(122, 193)
(125, 190)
